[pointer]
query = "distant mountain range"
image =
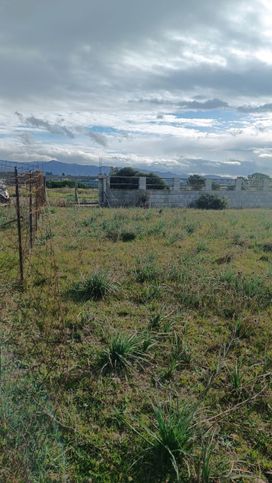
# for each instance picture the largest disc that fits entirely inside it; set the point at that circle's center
(57, 168)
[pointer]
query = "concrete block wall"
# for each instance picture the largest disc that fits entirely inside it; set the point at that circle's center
(235, 199)
(182, 198)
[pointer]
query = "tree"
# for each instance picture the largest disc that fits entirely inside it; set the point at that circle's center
(196, 182)
(258, 176)
(127, 178)
(258, 179)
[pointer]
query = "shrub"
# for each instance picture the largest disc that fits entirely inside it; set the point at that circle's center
(96, 287)
(209, 202)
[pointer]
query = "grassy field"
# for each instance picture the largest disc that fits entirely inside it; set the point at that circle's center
(67, 196)
(140, 349)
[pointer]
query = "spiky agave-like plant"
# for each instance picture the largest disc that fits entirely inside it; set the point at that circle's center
(124, 350)
(170, 441)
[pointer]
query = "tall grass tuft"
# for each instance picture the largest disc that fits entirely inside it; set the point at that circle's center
(146, 270)
(125, 350)
(180, 351)
(205, 470)
(96, 287)
(171, 440)
(235, 377)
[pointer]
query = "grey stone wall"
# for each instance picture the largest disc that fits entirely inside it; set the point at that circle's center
(118, 198)
(182, 199)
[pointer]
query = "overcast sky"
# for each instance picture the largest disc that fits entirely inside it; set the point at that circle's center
(183, 84)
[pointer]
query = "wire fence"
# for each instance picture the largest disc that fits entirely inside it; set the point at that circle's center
(184, 184)
(22, 198)
(66, 191)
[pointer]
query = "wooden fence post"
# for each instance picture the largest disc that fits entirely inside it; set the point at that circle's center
(76, 192)
(30, 213)
(36, 202)
(18, 213)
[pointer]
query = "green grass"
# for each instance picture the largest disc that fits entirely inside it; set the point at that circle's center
(111, 325)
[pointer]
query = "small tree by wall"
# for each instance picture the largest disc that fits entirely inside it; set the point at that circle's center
(209, 202)
(196, 182)
(258, 180)
(128, 178)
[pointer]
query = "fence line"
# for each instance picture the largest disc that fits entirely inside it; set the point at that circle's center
(183, 184)
(22, 206)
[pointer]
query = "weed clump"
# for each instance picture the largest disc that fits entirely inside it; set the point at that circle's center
(112, 235)
(181, 353)
(125, 350)
(245, 328)
(251, 287)
(235, 378)
(190, 228)
(170, 441)
(149, 293)
(146, 270)
(96, 287)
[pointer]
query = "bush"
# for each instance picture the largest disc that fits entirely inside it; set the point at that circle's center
(209, 202)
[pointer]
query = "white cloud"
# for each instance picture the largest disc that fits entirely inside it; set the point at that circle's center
(137, 82)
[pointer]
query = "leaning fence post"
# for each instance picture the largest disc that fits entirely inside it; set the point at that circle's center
(30, 212)
(18, 213)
